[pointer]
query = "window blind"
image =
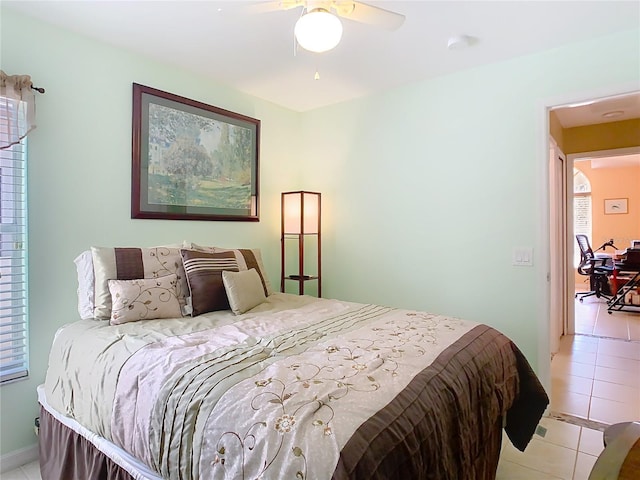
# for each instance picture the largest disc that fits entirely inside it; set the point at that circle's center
(13, 258)
(582, 216)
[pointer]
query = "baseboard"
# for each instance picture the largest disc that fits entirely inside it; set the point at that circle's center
(17, 458)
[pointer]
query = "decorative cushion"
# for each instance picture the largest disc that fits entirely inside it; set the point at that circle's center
(134, 263)
(244, 289)
(144, 299)
(204, 276)
(246, 258)
(86, 282)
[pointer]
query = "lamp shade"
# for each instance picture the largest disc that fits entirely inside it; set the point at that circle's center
(318, 30)
(301, 212)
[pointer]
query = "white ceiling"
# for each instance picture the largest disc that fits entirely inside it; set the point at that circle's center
(632, 160)
(255, 52)
(612, 109)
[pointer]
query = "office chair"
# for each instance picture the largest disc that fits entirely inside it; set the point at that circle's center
(595, 268)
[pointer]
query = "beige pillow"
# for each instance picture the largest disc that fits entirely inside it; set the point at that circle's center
(144, 299)
(132, 264)
(244, 289)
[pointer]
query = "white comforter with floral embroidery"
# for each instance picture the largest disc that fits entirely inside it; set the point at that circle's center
(299, 388)
(275, 395)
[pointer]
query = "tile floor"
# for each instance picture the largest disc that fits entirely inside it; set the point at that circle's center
(567, 452)
(592, 319)
(594, 377)
(30, 471)
(597, 379)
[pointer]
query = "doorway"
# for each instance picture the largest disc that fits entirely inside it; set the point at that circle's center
(601, 133)
(595, 374)
(605, 174)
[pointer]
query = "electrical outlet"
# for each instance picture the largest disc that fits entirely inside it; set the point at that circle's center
(541, 431)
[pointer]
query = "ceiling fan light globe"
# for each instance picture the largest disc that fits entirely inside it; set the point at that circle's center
(318, 31)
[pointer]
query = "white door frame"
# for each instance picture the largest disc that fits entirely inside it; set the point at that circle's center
(558, 262)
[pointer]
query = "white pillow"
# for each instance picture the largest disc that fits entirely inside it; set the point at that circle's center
(144, 299)
(244, 289)
(86, 282)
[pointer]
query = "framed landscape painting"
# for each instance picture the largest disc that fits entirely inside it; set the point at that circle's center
(192, 161)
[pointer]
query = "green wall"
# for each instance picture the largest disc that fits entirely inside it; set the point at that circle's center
(426, 189)
(80, 178)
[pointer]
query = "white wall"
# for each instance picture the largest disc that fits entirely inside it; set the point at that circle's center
(426, 188)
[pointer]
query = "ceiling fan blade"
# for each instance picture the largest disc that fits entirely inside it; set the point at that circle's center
(364, 13)
(272, 6)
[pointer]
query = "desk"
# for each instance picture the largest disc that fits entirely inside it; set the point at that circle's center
(617, 303)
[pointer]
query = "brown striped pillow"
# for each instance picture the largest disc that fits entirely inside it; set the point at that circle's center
(133, 263)
(204, 276)
(247, 258)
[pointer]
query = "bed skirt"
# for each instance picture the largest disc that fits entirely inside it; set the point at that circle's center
(67, 454)
(69, 451)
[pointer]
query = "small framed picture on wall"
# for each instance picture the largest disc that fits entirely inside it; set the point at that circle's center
(614, 206)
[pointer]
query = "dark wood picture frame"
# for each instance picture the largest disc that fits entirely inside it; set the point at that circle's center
(192, 161)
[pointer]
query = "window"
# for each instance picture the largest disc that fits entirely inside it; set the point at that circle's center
(581, 210)
(13, 254)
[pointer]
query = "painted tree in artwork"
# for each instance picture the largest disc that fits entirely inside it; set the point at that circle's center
(243, 151)
(166, 124)
(187, 163)
(233, 154)
(184, 159)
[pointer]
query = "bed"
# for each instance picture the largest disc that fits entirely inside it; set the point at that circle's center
(292, 387)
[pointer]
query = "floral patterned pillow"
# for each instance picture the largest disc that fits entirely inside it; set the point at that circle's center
(132, 263)
(144, 299)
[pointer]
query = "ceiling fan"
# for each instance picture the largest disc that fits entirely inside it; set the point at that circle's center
(319, 29)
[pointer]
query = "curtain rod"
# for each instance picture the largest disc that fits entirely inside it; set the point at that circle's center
(38, 89)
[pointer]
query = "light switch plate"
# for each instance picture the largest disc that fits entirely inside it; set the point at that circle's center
(523, 256)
